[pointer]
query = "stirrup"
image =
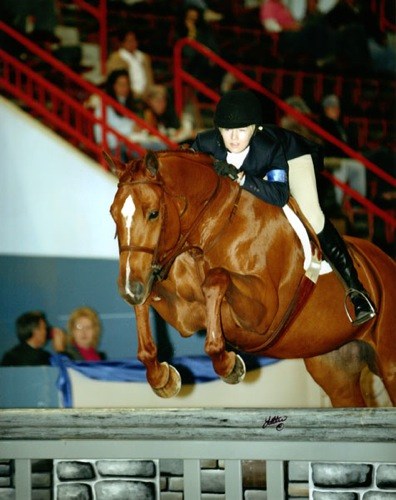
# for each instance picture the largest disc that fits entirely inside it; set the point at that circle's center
(366, 315)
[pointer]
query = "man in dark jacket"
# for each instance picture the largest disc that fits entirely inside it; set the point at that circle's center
(31, 330)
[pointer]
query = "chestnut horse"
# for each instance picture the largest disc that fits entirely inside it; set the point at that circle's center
(208, 255)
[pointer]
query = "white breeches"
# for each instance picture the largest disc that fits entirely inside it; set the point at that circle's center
(303, 188)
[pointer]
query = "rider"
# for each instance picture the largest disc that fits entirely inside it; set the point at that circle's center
(273, 163)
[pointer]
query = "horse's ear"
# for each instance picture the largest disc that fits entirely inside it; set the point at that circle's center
(115, 166)
(151, 162)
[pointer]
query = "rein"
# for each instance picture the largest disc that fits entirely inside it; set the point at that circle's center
(161, 267)
(179, 248)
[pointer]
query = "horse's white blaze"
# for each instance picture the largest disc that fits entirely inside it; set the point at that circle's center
(127, 212)
(127, 274)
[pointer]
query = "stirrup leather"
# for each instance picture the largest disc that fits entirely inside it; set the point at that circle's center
(370, 314)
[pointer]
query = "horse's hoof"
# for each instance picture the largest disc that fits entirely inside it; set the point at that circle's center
(238, 372)
(172, 386)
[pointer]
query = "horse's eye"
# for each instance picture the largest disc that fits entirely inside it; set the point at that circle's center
(153, 215)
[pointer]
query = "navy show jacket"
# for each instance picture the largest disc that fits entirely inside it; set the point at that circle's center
(271, 148)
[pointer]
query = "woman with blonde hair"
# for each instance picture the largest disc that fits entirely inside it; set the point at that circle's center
(84, 330)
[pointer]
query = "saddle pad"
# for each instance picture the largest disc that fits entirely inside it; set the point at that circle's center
(302, 234)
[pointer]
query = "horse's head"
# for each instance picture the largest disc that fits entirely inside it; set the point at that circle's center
(147, 225)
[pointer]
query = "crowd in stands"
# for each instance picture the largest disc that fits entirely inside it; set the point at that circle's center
(348, 35)
(345, 37)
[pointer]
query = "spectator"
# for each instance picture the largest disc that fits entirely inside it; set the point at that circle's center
(84, 329)
(160, 114)
(349, 35)
(307, 38)
(41, 14)
(137, 63)
(193, 25)
(208, 14)
(33, 331)
(118, 87)
(347, 170)
(289, 122)
(382, 55)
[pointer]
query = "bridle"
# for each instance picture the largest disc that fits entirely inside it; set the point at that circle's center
(161, 264)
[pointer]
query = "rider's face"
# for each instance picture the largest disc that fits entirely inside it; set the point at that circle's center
(237, 140)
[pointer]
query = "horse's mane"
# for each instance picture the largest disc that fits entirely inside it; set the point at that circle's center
(203, 159)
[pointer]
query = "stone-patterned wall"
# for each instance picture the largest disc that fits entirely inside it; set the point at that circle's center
(163, 480)
(106, 479)
(42, 480)
(349, 481)
(212, 479)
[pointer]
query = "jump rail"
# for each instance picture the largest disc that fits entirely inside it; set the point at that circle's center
(275, 435)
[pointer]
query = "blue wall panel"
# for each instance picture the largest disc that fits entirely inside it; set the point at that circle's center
(58, 285)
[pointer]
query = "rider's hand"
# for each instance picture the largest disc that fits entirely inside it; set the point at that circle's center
(226, 169)
(241, 177)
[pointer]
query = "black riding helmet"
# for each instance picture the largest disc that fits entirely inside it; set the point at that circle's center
(238, 108)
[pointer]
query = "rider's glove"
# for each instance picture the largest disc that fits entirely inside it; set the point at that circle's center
(226, 169)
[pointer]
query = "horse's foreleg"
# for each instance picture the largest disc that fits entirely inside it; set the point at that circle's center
(228, 365)
(163, 378)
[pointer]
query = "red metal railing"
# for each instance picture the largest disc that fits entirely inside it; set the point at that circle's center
(182, 78)
(58, 107)
(387, 15)
(69, 116)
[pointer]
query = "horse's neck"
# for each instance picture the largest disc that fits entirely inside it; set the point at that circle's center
(215, 213)
(237, 213)
(194, 188)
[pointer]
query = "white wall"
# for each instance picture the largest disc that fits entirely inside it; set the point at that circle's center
(54, 200)
(280, 385)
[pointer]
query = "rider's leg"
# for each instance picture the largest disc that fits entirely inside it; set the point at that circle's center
(303, 188)
(336, 252)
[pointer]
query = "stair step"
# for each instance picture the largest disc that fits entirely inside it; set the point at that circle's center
(91, 58)
(68, 35)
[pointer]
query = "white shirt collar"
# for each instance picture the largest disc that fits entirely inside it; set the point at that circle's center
(237, 159)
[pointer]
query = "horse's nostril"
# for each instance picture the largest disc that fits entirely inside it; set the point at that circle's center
(133, 292)
(136, 288)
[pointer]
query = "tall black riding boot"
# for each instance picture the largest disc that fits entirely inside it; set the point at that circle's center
(336, 252)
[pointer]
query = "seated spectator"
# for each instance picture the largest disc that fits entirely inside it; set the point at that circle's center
(33, 331)
(307, 38)
(37, 19)
(137, 63)
(84, 329)
(208, 14)
(118, 87)
(382, 55)
(349, 35)
(192, 25)
(347, 170)
(160, 114)
(290, 122)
